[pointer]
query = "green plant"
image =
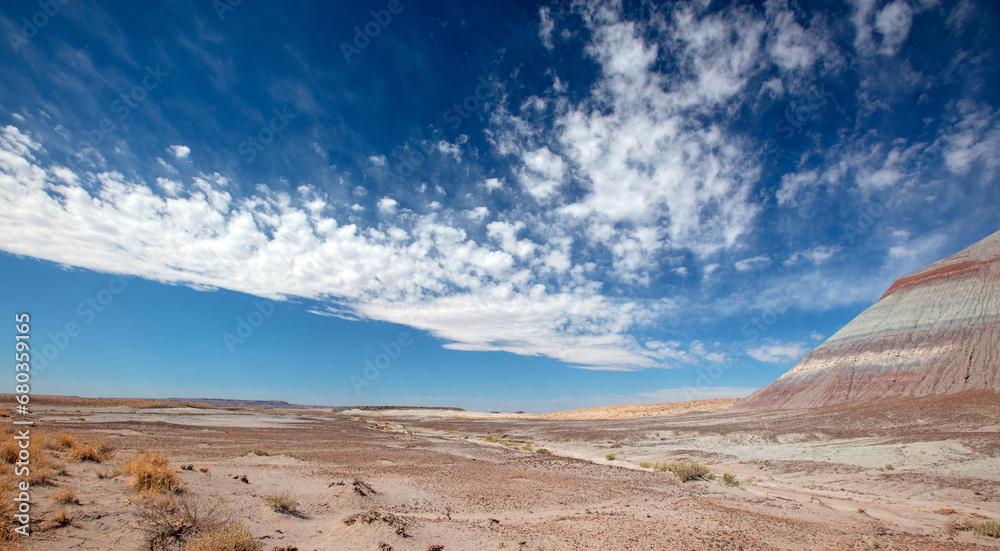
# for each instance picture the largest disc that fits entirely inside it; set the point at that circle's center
(490, 438)
(526, 447)
(610, 457)
(989, 528)
(730, 479)
(687, 470)
(645, 464)
(541, 450)
(889, 467)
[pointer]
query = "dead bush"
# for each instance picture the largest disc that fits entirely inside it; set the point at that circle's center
(169, 521)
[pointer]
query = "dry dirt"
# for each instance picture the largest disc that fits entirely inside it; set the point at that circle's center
(817, 479)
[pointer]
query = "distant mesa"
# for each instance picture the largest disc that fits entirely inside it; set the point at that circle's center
(280, 404)
(933, 332)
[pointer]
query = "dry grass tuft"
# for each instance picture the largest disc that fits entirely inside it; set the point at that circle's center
(94, 452)
(61, 442)
(65, 496)
(228, 537)
(7, 507)
(60, 519)
(282, 503)
(151, 473)
(257, 450)
(41, 462)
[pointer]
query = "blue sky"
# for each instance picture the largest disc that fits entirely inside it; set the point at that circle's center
(549, 205)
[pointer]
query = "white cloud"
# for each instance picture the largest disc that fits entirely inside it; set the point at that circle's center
(792, 184)
(779, 352)
(377, 160)
(753, 263)
(790, 46)
(506, 234)
(169, 167)
(893, 23)
(493, 184)
(179, 151)
(414, 270)
(972, 136)
(637, 147)
(387, 204)
(545, 27)
(169, 187)
(450, 149)
(816, 255)
(544, 172)
(478, 214)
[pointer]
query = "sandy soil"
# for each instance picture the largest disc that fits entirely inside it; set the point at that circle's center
(819, 479)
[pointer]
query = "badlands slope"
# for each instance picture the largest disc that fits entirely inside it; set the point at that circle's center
(933, 332)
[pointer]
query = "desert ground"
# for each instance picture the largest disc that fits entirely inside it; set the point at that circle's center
(902, 475)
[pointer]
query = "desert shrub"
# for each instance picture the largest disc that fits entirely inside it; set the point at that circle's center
(989, 528)
(526, 447)
(687, 470)
(228, 537)
(151, 473)
(282, 503)
(730, 479)
(618, 444)
(541, 450)
(645, 464)
(610, 457)
(490, 438)
(171, 520)
(257, 450)
(66, 496)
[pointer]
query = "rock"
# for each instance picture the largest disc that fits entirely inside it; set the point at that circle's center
(933, 332)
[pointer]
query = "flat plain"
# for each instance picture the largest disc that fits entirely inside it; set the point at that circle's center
(895, 474)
